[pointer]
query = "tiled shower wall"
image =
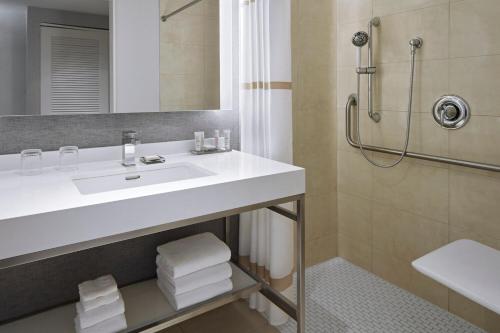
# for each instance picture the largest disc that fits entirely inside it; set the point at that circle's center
(314, 120)
(189, 55)
(389, 217)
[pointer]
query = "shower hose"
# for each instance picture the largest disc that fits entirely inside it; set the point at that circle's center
(408, 121)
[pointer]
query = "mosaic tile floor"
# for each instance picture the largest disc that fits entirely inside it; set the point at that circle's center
(343, 298)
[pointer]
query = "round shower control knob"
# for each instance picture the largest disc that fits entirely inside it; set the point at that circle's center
(451, 112)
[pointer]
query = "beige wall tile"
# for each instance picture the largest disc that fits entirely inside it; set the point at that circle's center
(321, 212)
(429, 289)
(405, 236)
(457, 234)
(356, 252)
(386, 7)
(171, 59)
(172, 89)
(170, 31)
(354, 10)
(189, 46)
(392, 84)
(431, 24)
(314, 120)
(354, 174)
(491, 321)
(425, 135)
(211, 8)
(476, 80)
(321, 249)
(477, 141)
(317, 88)
(474, 313)
(194, 60)
(354, 218)
(391, 269)
(321, 166)
(347, 85)
(474, 204)
(474, 28)
(413, 187)
(466, 309)
(404, 276)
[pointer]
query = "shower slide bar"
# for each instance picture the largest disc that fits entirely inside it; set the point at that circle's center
(352, 101)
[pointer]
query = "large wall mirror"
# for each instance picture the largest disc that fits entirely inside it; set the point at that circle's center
(115, 56)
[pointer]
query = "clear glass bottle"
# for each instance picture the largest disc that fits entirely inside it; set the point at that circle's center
(227, 139)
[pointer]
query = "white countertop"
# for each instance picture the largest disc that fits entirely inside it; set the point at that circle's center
(46, 211)
(467, 267)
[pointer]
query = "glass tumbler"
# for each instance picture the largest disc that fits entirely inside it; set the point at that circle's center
(31, 162)
(68, 158)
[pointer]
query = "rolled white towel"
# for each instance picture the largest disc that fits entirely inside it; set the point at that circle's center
(100, 301)
(102, 286)
(100, 314)
(191, 254)
(196, 296)
(112, 325)
(195, 280)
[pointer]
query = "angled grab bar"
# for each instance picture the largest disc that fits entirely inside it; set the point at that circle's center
(351, 101)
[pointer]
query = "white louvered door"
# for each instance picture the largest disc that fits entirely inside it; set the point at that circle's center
(74, 70)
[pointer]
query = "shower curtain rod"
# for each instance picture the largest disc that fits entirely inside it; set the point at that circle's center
(177, 11)
(352, 101)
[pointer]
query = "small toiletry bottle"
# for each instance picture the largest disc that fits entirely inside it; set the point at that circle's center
(216, 139)
(199, 137)
(221, 144)
(227, 139)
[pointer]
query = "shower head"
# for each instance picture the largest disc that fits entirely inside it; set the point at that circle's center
(360, 39)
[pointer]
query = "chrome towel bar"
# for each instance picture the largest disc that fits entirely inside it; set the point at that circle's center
(351, 101)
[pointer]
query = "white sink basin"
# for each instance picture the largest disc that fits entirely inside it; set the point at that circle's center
(120, 181)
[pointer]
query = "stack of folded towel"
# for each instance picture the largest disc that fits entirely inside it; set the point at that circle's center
(193, 270)
(101, 308)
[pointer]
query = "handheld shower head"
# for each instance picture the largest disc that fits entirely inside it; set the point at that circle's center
(360, 39)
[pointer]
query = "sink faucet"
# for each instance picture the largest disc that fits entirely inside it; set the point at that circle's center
(129, 142)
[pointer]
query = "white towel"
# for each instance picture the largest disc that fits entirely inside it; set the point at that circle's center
(195, 280)
(95, 316)
(112, 325)
(196, 296)
(99, 287)
(100, 301)
(191, 254)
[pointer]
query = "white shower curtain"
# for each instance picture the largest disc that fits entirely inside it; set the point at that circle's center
(266, 238)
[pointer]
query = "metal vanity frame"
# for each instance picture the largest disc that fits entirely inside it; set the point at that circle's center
(296, 311)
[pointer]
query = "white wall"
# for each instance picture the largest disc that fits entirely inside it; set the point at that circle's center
(135, 56)
(12, 58)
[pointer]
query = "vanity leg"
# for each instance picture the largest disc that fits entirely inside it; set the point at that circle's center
(301, 266)
(227, 230)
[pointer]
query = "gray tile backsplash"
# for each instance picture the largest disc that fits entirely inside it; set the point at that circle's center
(86, 131)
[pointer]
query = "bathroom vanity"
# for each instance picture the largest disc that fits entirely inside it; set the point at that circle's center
(103, 202)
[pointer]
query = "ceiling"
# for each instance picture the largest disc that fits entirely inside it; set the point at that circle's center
(85, 6)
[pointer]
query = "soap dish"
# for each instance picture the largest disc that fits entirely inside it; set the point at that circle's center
(153, 159)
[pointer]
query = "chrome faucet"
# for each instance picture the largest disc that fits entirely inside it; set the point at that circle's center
(129, 142)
